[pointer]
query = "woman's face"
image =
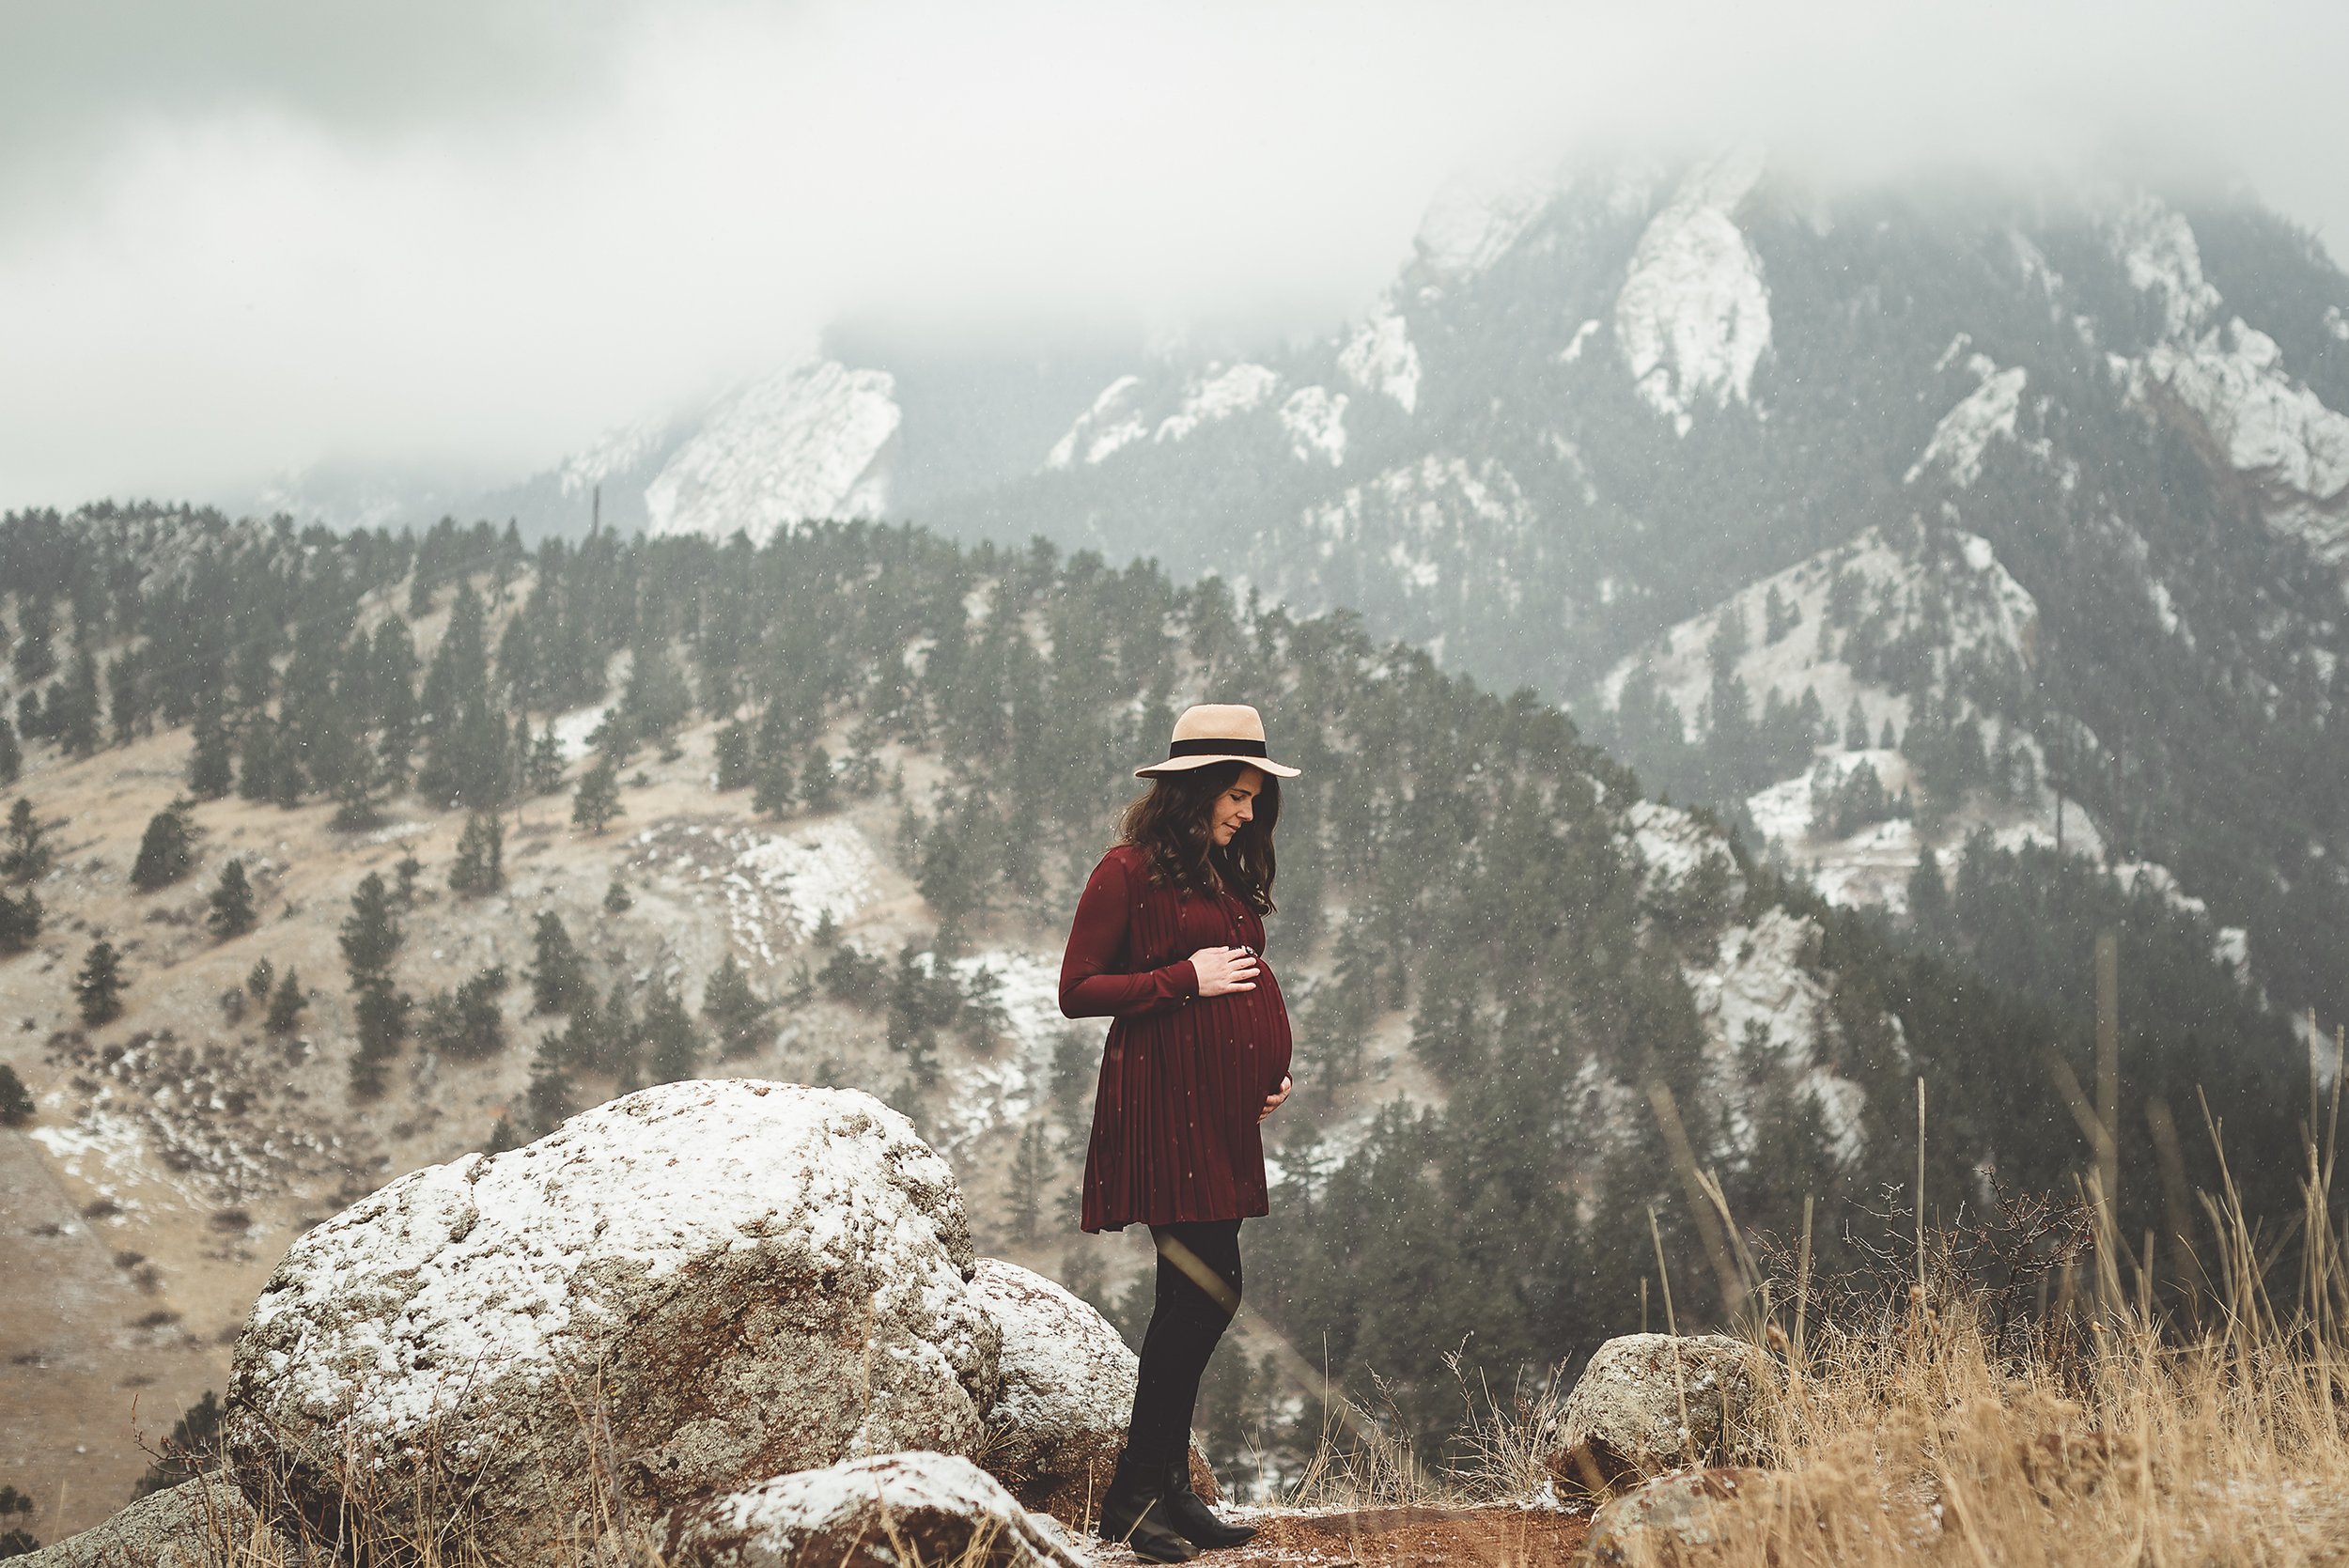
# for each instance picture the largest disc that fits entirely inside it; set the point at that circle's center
(1236, 807)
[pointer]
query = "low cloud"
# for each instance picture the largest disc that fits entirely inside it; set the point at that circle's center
(240, 240)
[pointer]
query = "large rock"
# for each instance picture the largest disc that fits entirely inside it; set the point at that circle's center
(1689, 1520)
(1622, 1420)
(674, 1295)
(898, 1511)
(1055, 1431)
(195, 1524)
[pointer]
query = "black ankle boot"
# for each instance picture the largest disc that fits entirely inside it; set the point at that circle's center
(1135, 1513)
(1191, 1518)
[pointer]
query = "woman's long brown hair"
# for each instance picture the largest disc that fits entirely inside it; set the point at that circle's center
(1173, 825)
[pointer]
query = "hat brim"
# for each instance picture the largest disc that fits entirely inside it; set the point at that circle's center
(1184, 765)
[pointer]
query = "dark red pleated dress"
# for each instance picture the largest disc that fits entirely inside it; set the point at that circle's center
(1183, 1076)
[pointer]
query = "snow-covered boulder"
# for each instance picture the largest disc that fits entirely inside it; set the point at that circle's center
(1054, 1433)
(890, 1511)
(192, 1525)
(676, 1295)
(1624, 1418)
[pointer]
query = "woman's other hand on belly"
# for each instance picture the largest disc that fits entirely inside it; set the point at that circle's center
(1272, 1101)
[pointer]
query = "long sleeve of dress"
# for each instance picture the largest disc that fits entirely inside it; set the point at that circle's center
(1090, 985)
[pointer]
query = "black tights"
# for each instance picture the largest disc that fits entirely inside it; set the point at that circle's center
(1185, 1325)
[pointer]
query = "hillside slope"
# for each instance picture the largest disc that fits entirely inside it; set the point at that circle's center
(877, 792)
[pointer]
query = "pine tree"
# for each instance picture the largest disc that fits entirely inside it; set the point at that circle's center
(1856, 727)
(97, 988)
(597, 801)
(738, 1013)
(383, 1018)
(733, 756)
(16, 1101)
(370, 933)
(167, 850)
(1029, 1171)
(672, 1046)
(553, 1098)
(286, 1005)
(256, 759)
(77, 728)
(28, 856)
(543, 774)
(557, 975)
(232, 903)
(391, 684)
(11, 755)
(815, 785)
(480, 864)
(212, 767)
(616, 900)
(260, 978)
(19, 921)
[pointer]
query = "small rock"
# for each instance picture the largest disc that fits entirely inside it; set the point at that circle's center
(893, 1511)
(1622, 1420)
(1679, 1521)
(193, 1525)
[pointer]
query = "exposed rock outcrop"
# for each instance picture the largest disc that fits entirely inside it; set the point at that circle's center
(673, 1297)
(891, 1512)
(1624, 1419)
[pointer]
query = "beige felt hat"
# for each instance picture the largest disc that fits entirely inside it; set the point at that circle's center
(1215, 731)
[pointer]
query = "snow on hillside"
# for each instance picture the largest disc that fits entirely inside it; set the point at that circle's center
(1756, 993)
(813, 440)
(1693, 317)
(1243, 387)
(1113, 420)
(1966, 431)
(1380, 357)
(1315, 419)
(1986, 606)
(1413, 518)
(1005, 1089)
(777, 887)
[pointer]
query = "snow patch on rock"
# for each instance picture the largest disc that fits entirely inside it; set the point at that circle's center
(1693, 317)
(2158, 252)
(1966, 431)
(1067, 1379)
(619, 451)
(2266, 426)
(749, 1277)
(1380, 357)
(1236, 391)
(881, 1511)
(1112, 421)
(1315, 418)
(807, 443)
(1476, 218)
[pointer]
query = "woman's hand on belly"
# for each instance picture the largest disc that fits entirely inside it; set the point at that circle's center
(1272, 1101)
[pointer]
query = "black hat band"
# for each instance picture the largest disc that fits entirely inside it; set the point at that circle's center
(1217, 749)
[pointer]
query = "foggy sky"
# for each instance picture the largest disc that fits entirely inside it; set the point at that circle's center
(465, 235)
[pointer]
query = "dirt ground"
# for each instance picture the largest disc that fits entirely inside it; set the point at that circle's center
(1496, 1536)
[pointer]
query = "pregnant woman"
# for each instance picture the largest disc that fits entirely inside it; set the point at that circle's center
(1168, 941)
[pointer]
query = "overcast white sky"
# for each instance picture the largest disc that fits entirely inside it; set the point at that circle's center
(240, 239)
